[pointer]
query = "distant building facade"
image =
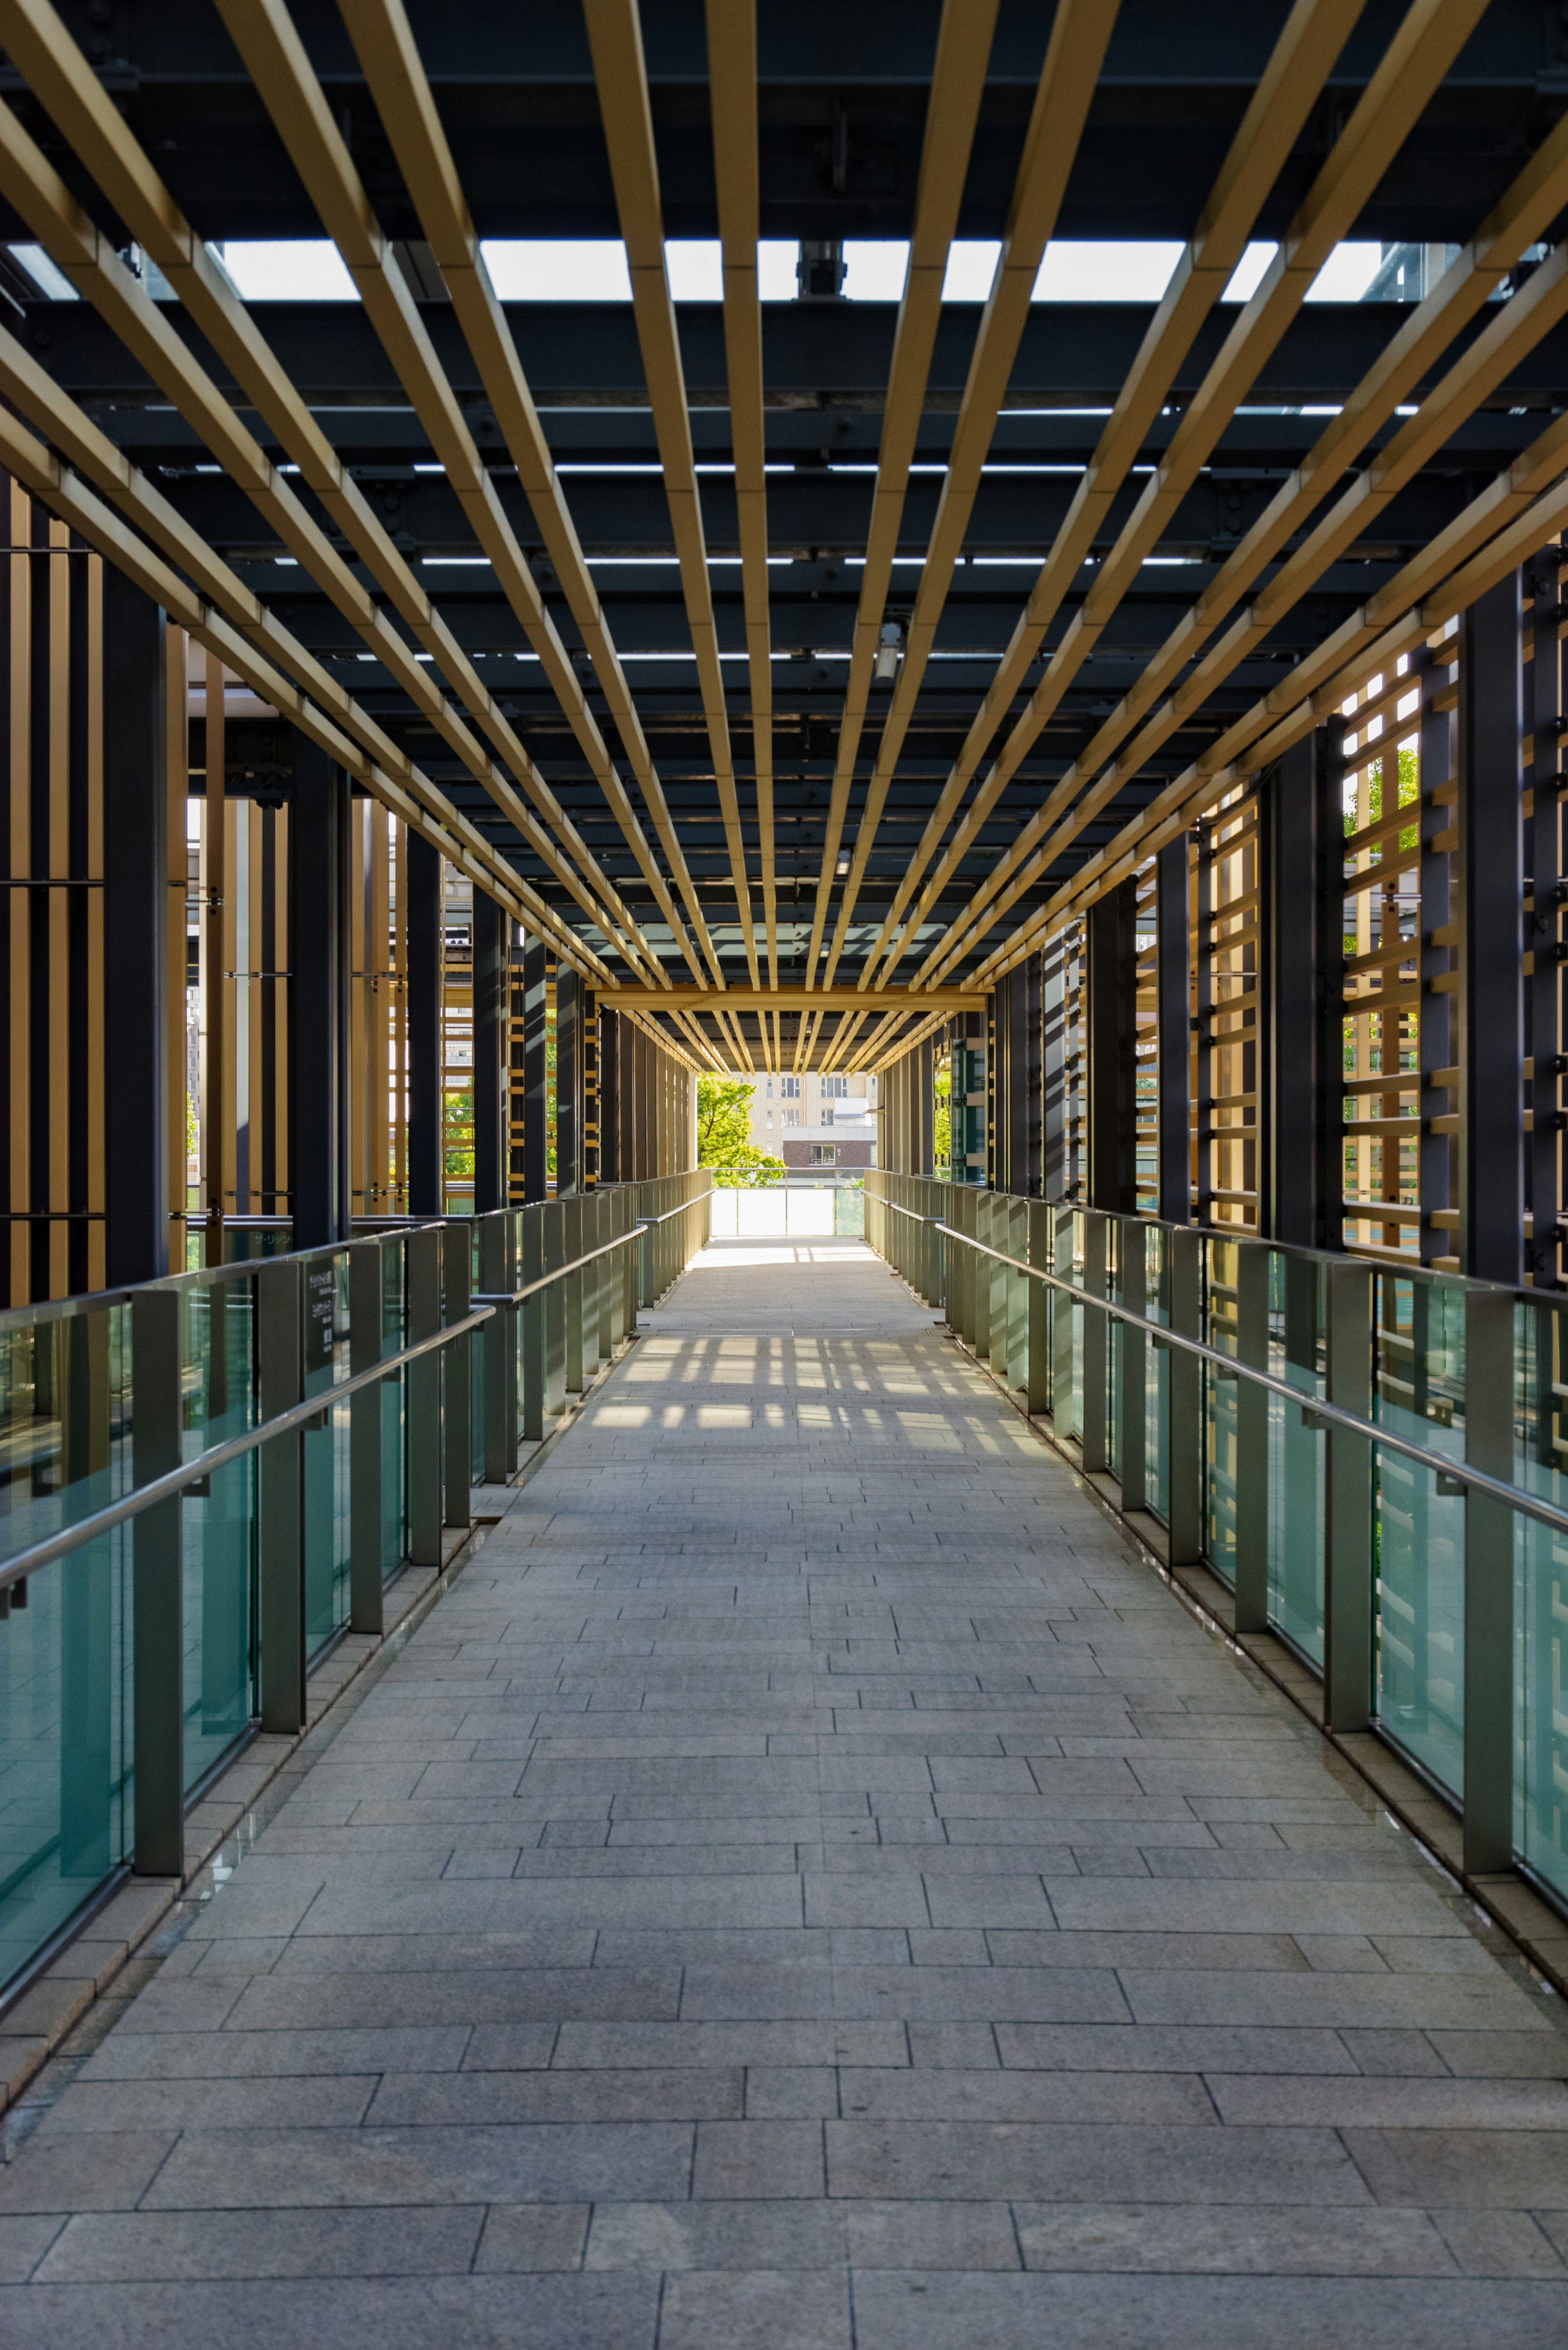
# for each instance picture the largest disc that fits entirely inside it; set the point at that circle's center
(815, 1120)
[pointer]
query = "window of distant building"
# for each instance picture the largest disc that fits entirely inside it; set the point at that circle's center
(789, 1089)
(790, 1117)
(823, 1154)
(834, 1088)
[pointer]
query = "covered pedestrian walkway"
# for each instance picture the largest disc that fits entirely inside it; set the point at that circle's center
(808, 1883)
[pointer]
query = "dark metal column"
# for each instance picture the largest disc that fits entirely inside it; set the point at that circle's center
(1305, 951)
(137, 914)
(925, 1107)
(536, 1070)
(610, 1033)
(427, 942)
(1543, 1003)
(1017, 1072)
(569, 1083)
(1113, 1040)
(318, 999)
(491, 987)
(1490, 1003)
(1173, 979)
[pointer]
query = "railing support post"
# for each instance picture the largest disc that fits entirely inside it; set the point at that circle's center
(1184, 1480)
(425, 1413)
(1348, 1514)
(1037, 1373)
(365, 1531)
(1092, 1426)
(498, 1272)
(157, 1608)
(1489, 1586)
(1253, 1262)
(280, 1354)
(457, 1420)
(1132, 1403)
(534, 1333)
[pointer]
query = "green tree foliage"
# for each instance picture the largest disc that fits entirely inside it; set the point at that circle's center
(943, 1118)
(725, 1133)
(458, 1137)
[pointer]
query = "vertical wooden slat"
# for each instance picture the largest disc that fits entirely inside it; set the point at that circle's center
(178, 774)
(217, 961)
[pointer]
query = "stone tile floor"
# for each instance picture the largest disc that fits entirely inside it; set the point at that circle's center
(809, 1886)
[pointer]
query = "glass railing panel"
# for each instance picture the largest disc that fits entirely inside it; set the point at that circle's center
(1540, 1596)
(849, 1211)
(218, 1518)
(65, 1419)
(1297, 1463)
(1418, 1537)
(65, 1723)
(1220, 1411)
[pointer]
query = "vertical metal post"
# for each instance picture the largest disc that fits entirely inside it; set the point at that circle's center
(1253, 1266)
(1348, 1568)
(1132, 1261)
(1065, 1408)
(366, 1531)
(1183, 1422)
(1488, 1585)
(555, 1255)
(491, 993)
(1037, 1380)
(1173, 984)
(1304, 883)
(1489, 1008)
(535, 1317)
(1094, 1432)
(498, 1277)
(1543, 1037)
(457, 1375)
(1016, 1359)
(157, 1605)
(426, 952)
(424, 1412)
(137, 914)
(571, 1287)
(280, 1361)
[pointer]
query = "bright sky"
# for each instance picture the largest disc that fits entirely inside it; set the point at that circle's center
(595, 270)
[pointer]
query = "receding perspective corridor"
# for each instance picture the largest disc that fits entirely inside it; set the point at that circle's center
(807, 1884)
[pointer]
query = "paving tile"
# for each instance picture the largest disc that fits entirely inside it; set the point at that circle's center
(1162, 2240)
(1067, 2163)
(572, 2162)
(359, 2312)
(135, 2245)
(709, 2311)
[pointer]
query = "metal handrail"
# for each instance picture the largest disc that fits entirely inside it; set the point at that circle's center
(1492, 1489)
(173, 1481)
(649, 1222)
(559, 1272)
(913, 1214)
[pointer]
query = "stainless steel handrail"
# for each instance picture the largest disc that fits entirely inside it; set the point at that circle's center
(559, 1272)
(1493, 1489)
(168, 1487)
